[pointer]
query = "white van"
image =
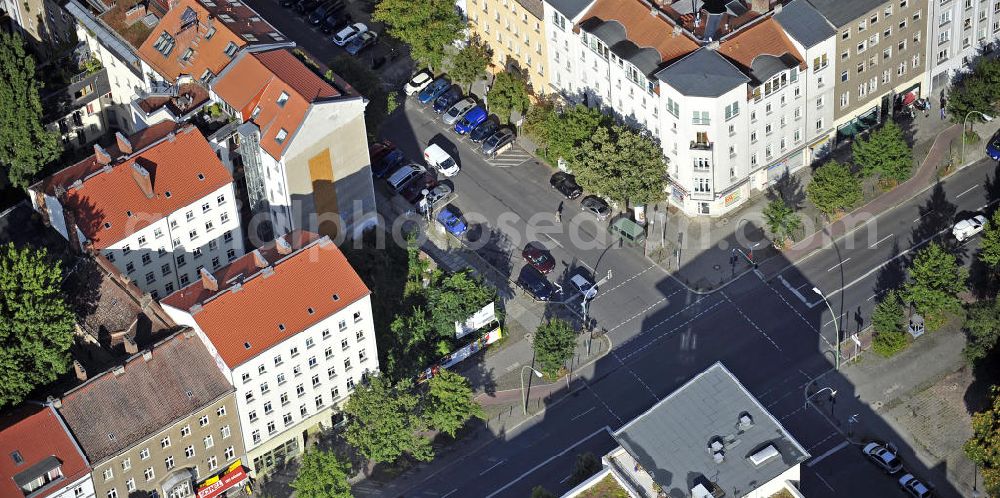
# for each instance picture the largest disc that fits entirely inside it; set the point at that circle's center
(403, 175)
(438, 158)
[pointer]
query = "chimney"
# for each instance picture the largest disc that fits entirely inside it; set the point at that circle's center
(101, 155)
(130, 345)
(208, 281)
(282, 245)
(142, 179)
(123, 144)
(259, 260)
(81, 373)
(147, 355)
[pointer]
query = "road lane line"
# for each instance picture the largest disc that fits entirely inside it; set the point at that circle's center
(564, 479)
(974, 187)
(825, 483)
(446, 495)
(495, 465)
(829, 452)
(923, 215)
(834, 266)
(554, 241)
(582, 414)
(873, 296)
(842, 315)
(546, 462)
(751, 322)
(880, 241)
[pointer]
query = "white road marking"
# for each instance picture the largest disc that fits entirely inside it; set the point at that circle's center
(842, 315)
(922, 216)
(446, 495)
(873, 296)
(564, 479)
(582, 414)
(546, 462)
(665, 334)
(633, 277)
(829, 452)
(974, 187)
(825, 483)
(795, 290)
(880, 241)
(495, 465)
(554, 241)
(751, 322)
(836, 265)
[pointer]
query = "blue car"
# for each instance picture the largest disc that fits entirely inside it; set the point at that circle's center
(471, 120)
(434, 90)
(993, 147)
(452, 222)
(388, 163)
(447, 99)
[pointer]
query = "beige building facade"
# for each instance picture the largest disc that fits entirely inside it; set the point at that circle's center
(514, 30)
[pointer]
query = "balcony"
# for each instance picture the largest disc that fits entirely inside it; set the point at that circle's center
(696, 145)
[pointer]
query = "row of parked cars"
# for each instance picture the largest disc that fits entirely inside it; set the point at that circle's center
(463, 114)
(886, 457)
(330, 16)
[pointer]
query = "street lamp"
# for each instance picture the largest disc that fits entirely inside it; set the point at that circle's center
(986, 117)
(835, 325)
(524, 394)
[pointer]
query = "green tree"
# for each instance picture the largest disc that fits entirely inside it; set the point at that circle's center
(509, 93)
(427, 26)
(989, 244)
(622, 164)
(587, 464)
(983, 447)
(322, 475)
(469, 64)
(562, 133)
(982, 323)
(383, 423)
(555, 341)
(25, 145)
(781, 220)
(936, 278)
(450, 404)
(36, 324)
(541, 492)
(885, 153)
(888, 321)
(977, 91)
(454, 298)
(834, 188)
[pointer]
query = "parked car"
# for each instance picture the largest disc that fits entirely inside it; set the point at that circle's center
(452, 221)
(431, 92)
(332, 22)
(436, 195)
(914, 487)
(413, 191)
(378, 150)
(399, 178)
(447, 99)
(502, 137)
(566, 184)
(485, 130)
(288, 3)
(418, 82)
(993, 147)
(306, 6)
(966, 228)
(583, 284)
(344, 36)
(470, 120)
(457, 110)
(388, 164)
(319, 14)
(436, 157)
(597, 206)
(883, 455)
(536, 284)
(538, 257)
(361, 42)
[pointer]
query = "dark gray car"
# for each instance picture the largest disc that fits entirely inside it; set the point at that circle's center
(498, 140)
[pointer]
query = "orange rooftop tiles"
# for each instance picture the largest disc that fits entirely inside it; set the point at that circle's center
(764, 38)
(643, 28)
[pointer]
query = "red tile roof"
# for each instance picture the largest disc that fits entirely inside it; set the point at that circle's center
(642, 28)
(764, 38)
(36, 433)
(188, 24)
(315, 276)
(102, 201)
(258, 80)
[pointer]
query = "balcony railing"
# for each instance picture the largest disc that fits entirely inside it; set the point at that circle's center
(696, 145)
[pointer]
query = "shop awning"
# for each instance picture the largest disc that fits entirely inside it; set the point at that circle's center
(215, 486)
(909, 98)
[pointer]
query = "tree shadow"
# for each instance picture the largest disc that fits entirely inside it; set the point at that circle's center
(936, 215)
(893, 274)
(496, 249)
(992, 190)
(788, 188)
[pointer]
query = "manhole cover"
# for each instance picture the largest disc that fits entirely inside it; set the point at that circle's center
(716, 267)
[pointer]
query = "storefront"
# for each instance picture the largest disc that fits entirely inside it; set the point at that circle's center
(858, 125)
(233, 479)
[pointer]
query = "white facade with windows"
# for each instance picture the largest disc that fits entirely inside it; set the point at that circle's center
(960, 31)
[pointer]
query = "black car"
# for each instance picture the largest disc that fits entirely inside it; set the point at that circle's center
(332, 22)
(383, 167)
(306, 6)
(597, 206)
(566, 184)
(320, 13)
(288, 3)
(485, 130)
(536, 284)
(447, 99)
(502, 137)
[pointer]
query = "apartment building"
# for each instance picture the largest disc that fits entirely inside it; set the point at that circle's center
(303, 143)
(160, 424)
(560, 17)
(159, 205)
(292, 363)
(76, 111)
(959, 31)
(513, 30)
(45, 26)
(40, 457)
(880, 58)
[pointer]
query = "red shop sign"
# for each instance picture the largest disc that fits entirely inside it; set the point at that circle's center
(228, 480)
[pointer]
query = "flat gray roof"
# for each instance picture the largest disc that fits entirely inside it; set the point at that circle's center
(672, 439)
(569, 8)
(703, 73)
(804, 23)
(842, 12)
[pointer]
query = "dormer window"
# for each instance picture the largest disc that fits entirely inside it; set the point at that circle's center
(188, 54)
(16, 456)
(255, 113)
(281, 136)
(226, 18)
(249, 37)
(231, 49)
(210, 33)
(164, 44)
(282, 99)
(207, 76)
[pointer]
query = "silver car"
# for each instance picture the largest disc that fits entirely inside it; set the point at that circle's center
(458, 110)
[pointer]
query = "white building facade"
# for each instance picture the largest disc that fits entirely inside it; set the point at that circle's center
(960, 31)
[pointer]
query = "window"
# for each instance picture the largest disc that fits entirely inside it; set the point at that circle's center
(284, 399)
(861, 26)
(360, 335)
(342, 325)
(264, 388)
(916, 60)
(344, 344)
(303, 411)
(282, 99)
(327, 334)
(732, 110)
(129, 267)
(150, 278)
(169, 462)
(700, 118)
(861, 67)
(362, 356)
(281, 136)
(186, 431)
(149, 474)
(209, 226)
(319, 401)
(246, 377)
(885, 76)
(820, 62)
(108, 474)
(268, 408)
(844, 76)
(230, 47)
(126, 463)
(130, 484)
(112, 493)
(300, 389)
(165, 442)
(945, 17)
(249, 396)
(193, 234)
(819, 124)
(944, 37)
(230, 453)
(255, 435)
(313, 362)
(261, 369)
(213, 462)
(310, 343)
(189, 451)
(209, 441)
(224, 218)
(287, 419)
(350, 381)
(701, 185)
(819, 103)
(226, 432)
(845, 98)
(315, 380)
(328, 353)
(331, 372)
(144, 454)
(253, 415)
(297, 370)
(862, 46)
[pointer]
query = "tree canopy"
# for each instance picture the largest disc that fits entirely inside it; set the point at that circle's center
(36, 324)
(449, 403)
(936, 278)
(470, 63)
(888, 320)
(562, 133)
(885, 153)
(509, 93)
(834, 188)
(25, 145)
(555, 341)
(989, 245)
(781, 220)
(978, 90)
(622, 164)
(427, 26)
(384, 422)
(322, 475)
(982, 323)
(983, 447)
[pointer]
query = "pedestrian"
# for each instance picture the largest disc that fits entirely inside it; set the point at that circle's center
(942, 112)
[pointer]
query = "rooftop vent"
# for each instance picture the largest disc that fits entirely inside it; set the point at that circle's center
(147, 355)
(764, 454)
(111, 436)
(310, 310)
(107, 225)
(745, 421)
(189, 393)
(246, 345)
(167, 194)
(281, 327)
(717, 449)
(201, 176)
(336, 297)
(128, 213)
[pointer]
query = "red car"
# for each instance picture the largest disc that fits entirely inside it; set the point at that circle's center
(379, 150)
(538, 257)
(412, 192)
